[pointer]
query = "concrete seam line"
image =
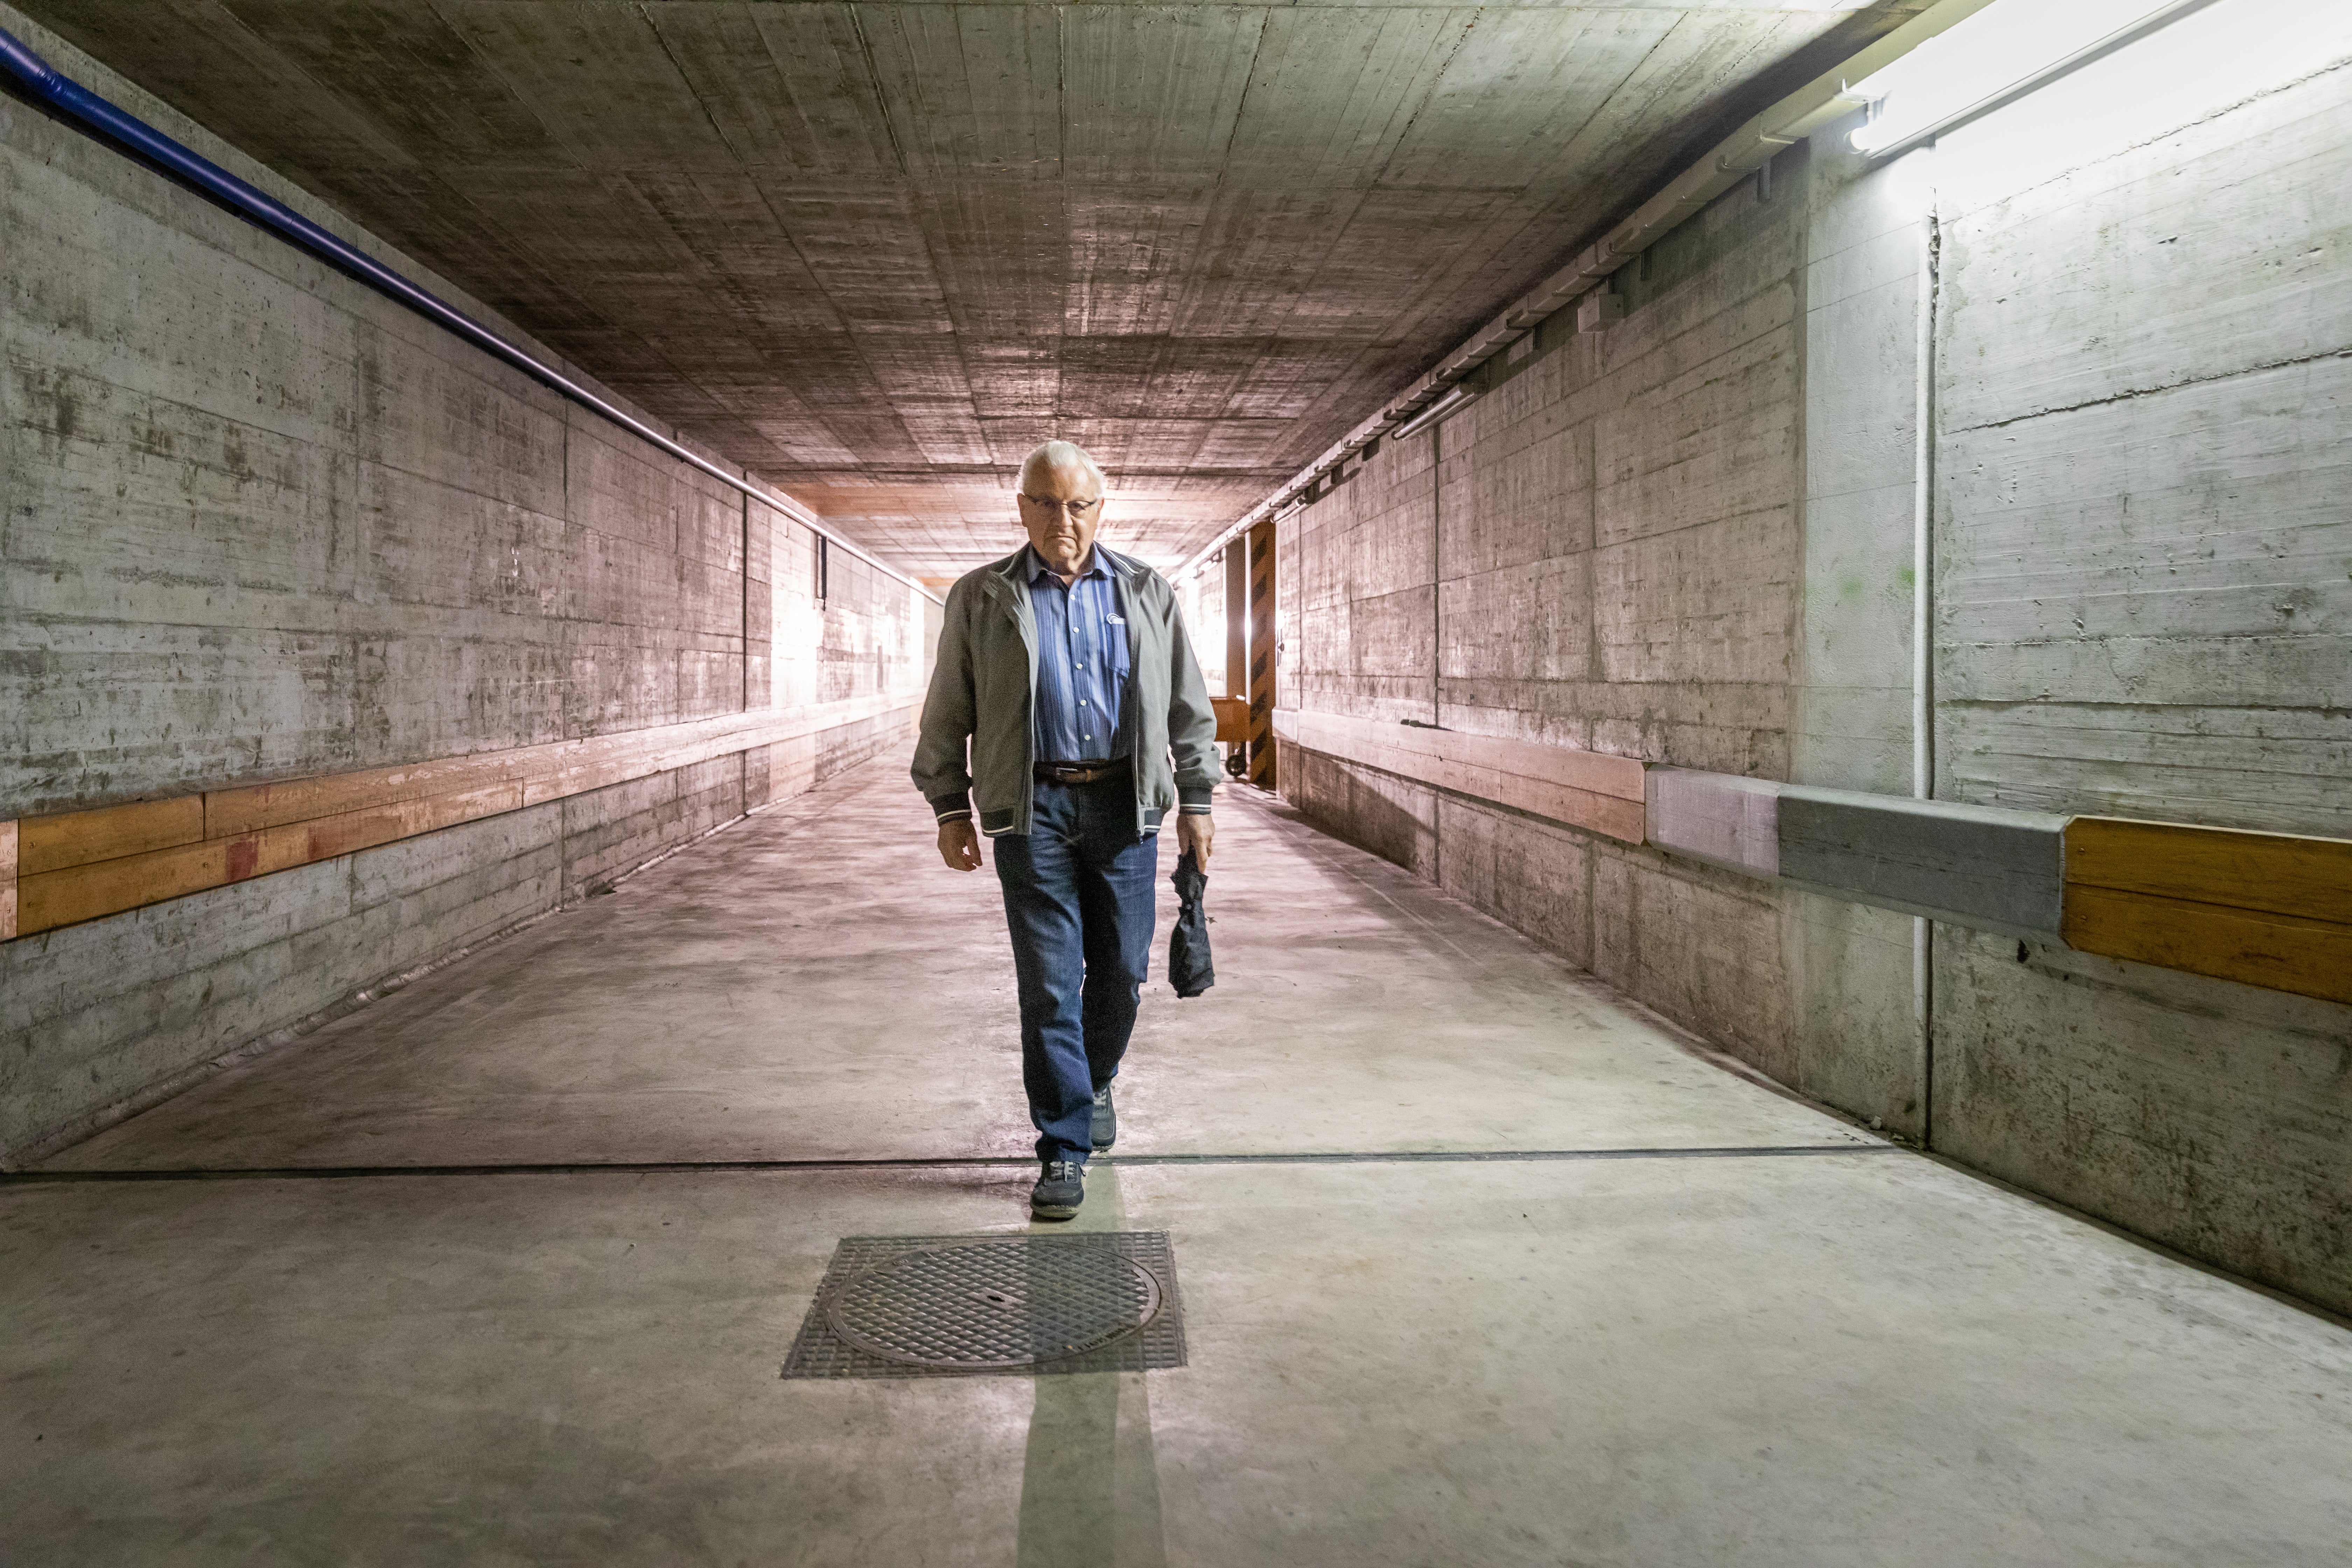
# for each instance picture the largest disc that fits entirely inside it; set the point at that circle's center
(2132, 393)
(943, 1162)
(121, 128)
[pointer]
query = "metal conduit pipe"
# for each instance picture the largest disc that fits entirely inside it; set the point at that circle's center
(1922, 645)
(45, 84)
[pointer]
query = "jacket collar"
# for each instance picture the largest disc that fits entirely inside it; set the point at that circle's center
(1002, 582)
(1127, 567)
(1032, 567)
(1001, 579)
(1008, 579)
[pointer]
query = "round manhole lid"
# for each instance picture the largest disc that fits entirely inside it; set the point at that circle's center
(990, 1305)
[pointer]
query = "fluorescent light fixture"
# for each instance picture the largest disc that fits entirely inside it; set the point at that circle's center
(1443, 408)
(1999, 55)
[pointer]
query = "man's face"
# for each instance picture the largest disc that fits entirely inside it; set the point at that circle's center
(1061, 507)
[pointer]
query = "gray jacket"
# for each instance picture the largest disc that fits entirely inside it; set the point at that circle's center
(986, 679)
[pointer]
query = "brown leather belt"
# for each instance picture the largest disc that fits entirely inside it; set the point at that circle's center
(1081, 773)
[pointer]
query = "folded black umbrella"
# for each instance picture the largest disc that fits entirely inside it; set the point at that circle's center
(1188, 970)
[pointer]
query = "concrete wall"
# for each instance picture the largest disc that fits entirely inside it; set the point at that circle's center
(1688, 537)
(1603, 552)
(261, 523)
(2143, 608)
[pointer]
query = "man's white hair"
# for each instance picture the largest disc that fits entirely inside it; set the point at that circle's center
(1061, 454)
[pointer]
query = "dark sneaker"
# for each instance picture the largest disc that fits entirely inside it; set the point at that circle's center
(1059, 1191)
(1106, 1127)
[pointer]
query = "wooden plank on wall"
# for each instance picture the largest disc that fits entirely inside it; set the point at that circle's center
(2311, 877)
(7, 880)
(255, 808)
(109, 833)
(78, 893)
(2264, 909)
(252, 808)
(107, 861)
(2255, 947)
(1591, 790)
(283, 848)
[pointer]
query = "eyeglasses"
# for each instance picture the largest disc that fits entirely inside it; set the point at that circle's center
(1080, 509)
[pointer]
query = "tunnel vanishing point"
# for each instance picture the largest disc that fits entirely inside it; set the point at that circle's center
(1773, 584)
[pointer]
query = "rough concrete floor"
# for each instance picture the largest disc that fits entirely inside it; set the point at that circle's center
(1855, 1356)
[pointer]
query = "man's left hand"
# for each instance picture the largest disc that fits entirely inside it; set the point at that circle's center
(1195, 831)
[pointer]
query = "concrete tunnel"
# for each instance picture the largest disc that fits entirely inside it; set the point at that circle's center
(1773, 584)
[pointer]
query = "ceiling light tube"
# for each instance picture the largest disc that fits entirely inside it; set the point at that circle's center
(1995, 57)
(1445, 407)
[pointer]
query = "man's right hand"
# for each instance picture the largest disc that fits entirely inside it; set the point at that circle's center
(960, 843)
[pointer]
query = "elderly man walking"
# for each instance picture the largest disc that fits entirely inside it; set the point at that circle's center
(1066, 669)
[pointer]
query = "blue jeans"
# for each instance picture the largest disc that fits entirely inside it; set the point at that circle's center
(1079, 903)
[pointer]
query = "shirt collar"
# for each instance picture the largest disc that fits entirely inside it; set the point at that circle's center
(1033, 568)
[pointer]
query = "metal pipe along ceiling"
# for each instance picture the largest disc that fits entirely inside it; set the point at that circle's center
(46, 85)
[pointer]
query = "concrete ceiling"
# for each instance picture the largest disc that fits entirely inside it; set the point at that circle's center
(875, 252)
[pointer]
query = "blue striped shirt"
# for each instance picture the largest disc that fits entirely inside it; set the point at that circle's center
(1082, 659)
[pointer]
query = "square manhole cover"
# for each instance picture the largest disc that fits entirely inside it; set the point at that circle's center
(930, 1306)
